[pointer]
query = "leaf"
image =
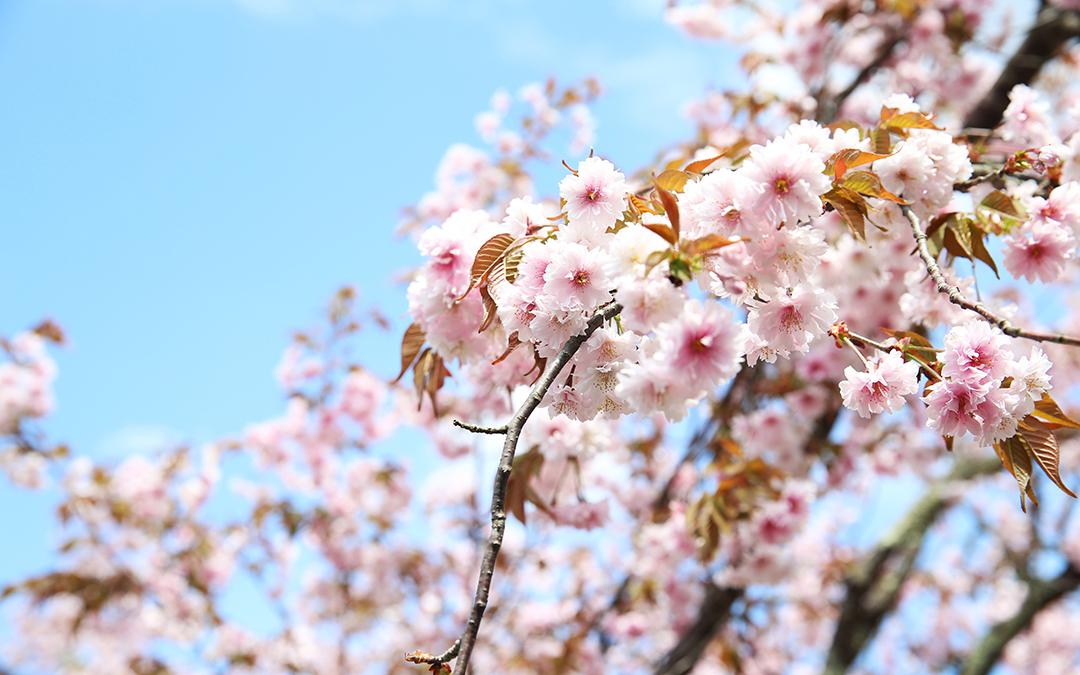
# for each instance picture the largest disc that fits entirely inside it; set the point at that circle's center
(411, 342)
(978, 249)
(1043, 446)
(490, 309)
(1016, 460)
(672, 179)
(665, 232)
(655, 258)
(850, 158)
(957, 239)
(709, 243)
(700, 165)
(671, 208)
(511, 263)
(892, 120)
(517, 487)
(917, 341)
(852, 209)
(489, 255)
(421, 374)
(512, 343)
(867, 183)
(1048, 409)
(1000, 202)
(881, 142)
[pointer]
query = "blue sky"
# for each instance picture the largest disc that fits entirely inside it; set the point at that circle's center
(184, 182)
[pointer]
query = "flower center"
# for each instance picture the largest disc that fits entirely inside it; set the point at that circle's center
(593, 193)
(781, 186)
(581, 278)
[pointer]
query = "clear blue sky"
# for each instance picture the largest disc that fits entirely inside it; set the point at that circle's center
(184, 182)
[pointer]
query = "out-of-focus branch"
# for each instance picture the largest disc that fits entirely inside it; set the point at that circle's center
(1053, 27)
(873, 586)
(715, 609)
(1041, 594)
(957, 298)
(829, 105)
(502, 477)
(719, 417)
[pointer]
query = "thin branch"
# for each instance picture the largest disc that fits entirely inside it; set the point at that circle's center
(873, 586)
(1040, 595)
(476, 429)
(1053, 27)
(434, 661)
(828, 106)
(502, 477)
(957, 298)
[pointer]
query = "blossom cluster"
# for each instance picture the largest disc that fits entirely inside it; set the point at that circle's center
(972, 397)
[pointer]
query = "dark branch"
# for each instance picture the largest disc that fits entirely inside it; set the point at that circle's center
(1052, 29)
(1040, 595)
(829, 105)
(714, 611)
(873, 587)
(957, 298)
(502, 477)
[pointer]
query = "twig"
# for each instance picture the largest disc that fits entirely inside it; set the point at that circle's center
(957, 298)
(476, 429)
(434, 661)
(502, 477)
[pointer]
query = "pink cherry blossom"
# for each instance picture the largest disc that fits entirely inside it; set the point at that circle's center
(881, 387)
(596, 196)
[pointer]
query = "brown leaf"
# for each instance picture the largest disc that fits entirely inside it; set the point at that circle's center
(700, 165)
(490, 309)
(1015, 458)
(867, 183)
(978, 249)
(671, 208)
(672, 179)
(709, 243)
(999, 202)
(852, 209)
(411, 342)
(1048, 409)
(665, 232)
(843, 160)
(490, 254)
(881, 141)
(915, 339)
(512, 343)
(893, 120)
(1043, 446)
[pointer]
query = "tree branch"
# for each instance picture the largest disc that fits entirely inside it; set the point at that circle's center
(715, 609)
(502, 477)
(829, 106)
(873, 587)
(1040, 595)
(957, 298)
(1053, 27)
(476, 429)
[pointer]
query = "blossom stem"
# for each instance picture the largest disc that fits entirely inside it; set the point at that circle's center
(958, 299)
